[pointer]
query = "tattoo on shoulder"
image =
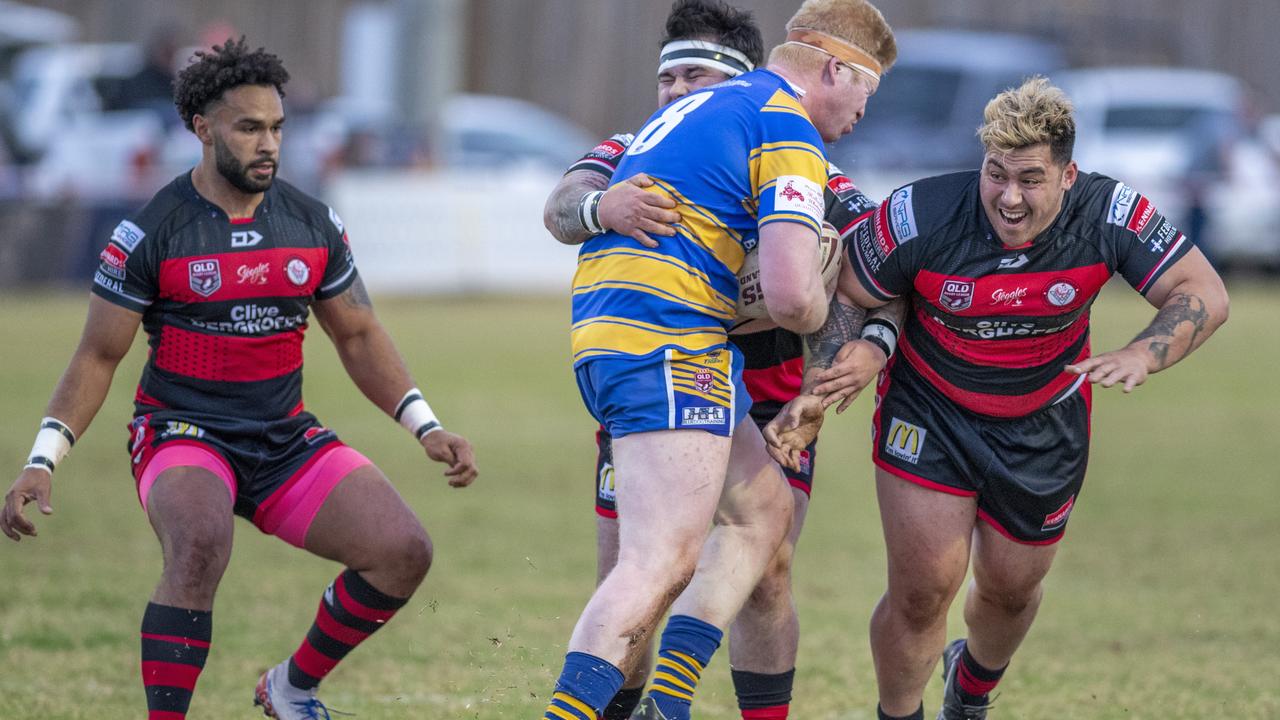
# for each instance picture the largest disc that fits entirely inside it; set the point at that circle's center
(844, 323)
(356, 296)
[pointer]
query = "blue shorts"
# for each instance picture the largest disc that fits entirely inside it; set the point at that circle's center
(668, 391)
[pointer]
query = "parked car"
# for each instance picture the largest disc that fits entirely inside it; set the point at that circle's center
(1184, 138)
(926, 112)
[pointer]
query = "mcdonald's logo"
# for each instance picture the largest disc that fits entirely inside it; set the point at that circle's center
(904, 440)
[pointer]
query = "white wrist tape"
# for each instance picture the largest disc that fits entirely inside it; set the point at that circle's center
(415, 414)
(883, 331)
(589, 212)
(53, 442)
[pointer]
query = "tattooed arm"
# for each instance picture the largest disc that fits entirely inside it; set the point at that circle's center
(626, 208)
(1193, 304)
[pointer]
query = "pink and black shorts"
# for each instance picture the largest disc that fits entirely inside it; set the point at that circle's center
(277, 472)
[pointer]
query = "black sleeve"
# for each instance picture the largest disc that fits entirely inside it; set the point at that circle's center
(1142, 240)
(340, 270)
(845, 203)
(876, 246)
(604, 157)
(129, 268)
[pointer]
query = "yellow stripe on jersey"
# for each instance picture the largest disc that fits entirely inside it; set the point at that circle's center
(782, 100)
(608, 335)
(706, 229)
(661, 275)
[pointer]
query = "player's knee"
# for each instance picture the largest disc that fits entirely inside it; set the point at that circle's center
(921, 607)
(1012, 600)
(413, 555)
(196, 560)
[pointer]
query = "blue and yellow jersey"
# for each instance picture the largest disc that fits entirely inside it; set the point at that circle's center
(734, 157)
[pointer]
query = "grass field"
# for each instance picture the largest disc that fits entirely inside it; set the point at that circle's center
(1161, 604)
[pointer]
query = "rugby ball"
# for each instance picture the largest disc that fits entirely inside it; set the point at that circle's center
(751, 300)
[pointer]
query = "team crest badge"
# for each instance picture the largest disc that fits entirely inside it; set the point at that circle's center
(956, 295)
(205, 277)
(298, 271)
(703, 380)
(1061, 293)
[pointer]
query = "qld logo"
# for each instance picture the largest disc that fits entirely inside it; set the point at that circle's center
(205, 277)
(956, 295)
(703, 380)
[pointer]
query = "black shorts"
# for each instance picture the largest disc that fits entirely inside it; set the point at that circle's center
(266, 459)
(606, 496)
(1025, 472)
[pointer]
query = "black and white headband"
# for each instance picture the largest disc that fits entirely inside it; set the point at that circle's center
(707, 54)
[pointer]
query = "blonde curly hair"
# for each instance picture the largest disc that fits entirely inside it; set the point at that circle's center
(1033, 113)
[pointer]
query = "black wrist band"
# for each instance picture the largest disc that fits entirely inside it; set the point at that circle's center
(426, 428)
(880, 344)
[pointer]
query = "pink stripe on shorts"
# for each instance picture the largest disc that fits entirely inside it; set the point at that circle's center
(288, 514)
(184, 454)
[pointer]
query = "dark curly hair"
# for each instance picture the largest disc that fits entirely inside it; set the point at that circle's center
(727, 24)
(227, 66)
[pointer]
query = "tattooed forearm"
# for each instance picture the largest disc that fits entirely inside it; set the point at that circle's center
(1163, 330)
(356, 296)
(561, 213)
(844, 323)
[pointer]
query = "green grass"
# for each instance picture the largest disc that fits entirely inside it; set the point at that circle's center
(1160, 605)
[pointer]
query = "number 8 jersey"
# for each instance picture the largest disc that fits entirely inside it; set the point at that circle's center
(734, 157)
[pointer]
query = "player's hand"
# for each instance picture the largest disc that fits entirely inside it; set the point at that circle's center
(1128, 366)
(628, 209)
(854, 368)
(793, 429)
(454, 451)
(32, 484)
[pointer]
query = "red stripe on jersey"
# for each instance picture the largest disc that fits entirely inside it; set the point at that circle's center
(240, 221)
(1002, 406)
(156, 672)
(780, 382)
(273, 272)
(226, 358)
(1018, 352)
(1035, 294)
(1159, 268)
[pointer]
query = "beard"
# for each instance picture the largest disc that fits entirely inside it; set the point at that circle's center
(237, 173)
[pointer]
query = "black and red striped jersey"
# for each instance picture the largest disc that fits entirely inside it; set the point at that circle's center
(991, 326)
(773, 366)
(225, 302)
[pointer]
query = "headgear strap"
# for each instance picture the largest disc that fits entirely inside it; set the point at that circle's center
(707, 54)
(842, 50)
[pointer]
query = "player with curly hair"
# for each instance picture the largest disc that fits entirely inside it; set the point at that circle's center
(222, 269)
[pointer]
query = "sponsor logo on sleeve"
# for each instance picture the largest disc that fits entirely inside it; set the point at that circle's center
(245, 238)
(205, 276)
(610, 149)
(798, 194)
(128, 235)
(868, 249)
(884, 241)
(904, 440)
(1122, 199)
(841, 185)
(1141, 216)
(1163, 235)
(1061, 293)
(1058, 518)
(337, 221)
(113, 261)
(902, 216)
(956, 295)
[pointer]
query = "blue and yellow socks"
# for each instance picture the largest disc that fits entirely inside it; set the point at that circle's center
(585, 687)
(687, 646)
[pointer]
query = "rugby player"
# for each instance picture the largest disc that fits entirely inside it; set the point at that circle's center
(651, 350)
(982, 424)
(222, 268)
(708, 42)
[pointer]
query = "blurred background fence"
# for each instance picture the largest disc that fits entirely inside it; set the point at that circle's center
(436, 127)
